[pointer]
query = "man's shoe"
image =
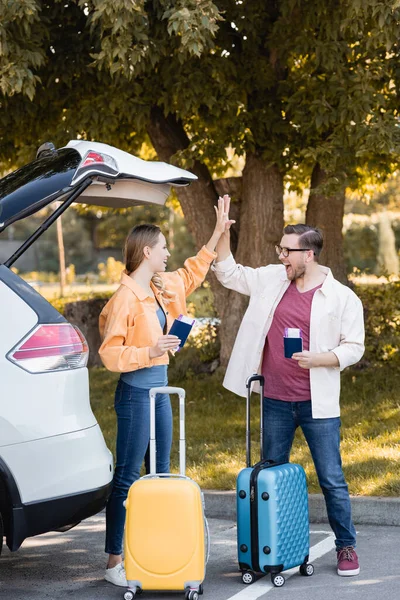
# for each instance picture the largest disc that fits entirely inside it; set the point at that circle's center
(116, 575)
(347, 562)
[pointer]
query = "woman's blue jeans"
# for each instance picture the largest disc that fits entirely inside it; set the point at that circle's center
(132, 406)
(323, 438)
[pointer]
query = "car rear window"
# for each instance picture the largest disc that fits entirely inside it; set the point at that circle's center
(24, 191)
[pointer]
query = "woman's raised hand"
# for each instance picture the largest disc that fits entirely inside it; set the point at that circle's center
(223, 223)
(165, 343)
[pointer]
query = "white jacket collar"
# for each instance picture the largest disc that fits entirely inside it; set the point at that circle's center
(326, 286)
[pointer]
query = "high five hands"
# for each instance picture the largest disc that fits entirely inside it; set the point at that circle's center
(222, 212)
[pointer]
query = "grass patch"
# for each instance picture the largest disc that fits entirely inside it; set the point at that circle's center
(215, 429)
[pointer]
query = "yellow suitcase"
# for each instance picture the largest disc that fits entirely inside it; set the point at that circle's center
(165, 528)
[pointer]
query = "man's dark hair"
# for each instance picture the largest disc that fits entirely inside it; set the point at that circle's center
(309, 237)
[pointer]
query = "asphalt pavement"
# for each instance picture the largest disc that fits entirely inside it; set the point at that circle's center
(65, 566)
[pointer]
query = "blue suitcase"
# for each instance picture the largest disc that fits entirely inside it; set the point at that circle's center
(272, 513)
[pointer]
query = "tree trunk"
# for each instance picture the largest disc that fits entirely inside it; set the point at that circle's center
(197, 200)
(326, 212)
(258, 212)
(261, 224)
(261, 218)
(85, 315)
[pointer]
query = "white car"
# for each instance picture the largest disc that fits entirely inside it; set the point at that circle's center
(55, 468)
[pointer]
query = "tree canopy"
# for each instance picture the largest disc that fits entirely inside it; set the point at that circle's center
(300, 89)
(290, 80)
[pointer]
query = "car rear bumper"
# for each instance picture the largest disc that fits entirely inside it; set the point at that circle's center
(40, 517)
(53, 483)
(59, 466)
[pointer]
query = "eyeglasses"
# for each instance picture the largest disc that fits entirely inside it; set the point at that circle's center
(285, 251)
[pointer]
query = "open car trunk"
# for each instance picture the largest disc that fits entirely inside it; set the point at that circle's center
(87, 173)
(103, 176)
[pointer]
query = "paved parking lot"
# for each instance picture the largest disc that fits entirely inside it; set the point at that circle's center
(70, 566)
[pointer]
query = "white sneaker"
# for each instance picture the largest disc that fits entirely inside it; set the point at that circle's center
(116, 575)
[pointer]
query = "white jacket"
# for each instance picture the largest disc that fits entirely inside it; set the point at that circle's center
(336, 325)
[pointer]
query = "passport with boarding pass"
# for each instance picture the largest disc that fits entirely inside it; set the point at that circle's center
(292, 341)
(181, 327)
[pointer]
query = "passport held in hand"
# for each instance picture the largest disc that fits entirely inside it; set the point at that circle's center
(181, 327)
(292, 341)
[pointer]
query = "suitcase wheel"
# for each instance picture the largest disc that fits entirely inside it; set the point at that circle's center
(306, 570)
(130, 594)
(192, 595)
(278, 580)
(248, 577)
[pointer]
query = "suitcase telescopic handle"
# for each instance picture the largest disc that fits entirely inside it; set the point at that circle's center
(249, 381)
(182, 443)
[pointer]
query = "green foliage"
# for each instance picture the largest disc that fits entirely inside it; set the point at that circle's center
(59, 303)
(360, 247)
(113, 227)
(200, 353)
(342, 83)
(206, 341)
(382, 322)
(294, 82)
(195, 22)
(127, 43)
(201, 302)
(110, 272)
(70, 274)
(45, 276)
(361, 235)
(78, 246)
(22, 35)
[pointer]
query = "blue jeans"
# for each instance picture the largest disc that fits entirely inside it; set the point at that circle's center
(132, 406)
(323, 438)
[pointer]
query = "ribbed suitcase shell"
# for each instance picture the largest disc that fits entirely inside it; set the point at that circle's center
(272, 511)
(274, 516)
(164, 534)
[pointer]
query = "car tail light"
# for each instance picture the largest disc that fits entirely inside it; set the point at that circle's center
(97, 158)
(48, 348)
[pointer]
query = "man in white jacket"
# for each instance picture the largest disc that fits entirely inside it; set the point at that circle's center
(302, 391)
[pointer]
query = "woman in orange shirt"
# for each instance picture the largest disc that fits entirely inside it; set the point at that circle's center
(133, 326)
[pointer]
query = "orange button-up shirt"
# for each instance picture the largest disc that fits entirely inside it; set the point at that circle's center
(128, 323)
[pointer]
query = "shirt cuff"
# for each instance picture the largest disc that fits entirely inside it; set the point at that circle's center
(223, 265)
(206, 255)
(339, 354)
(144, 359)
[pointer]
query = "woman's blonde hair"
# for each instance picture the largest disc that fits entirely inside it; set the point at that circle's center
(138, 238)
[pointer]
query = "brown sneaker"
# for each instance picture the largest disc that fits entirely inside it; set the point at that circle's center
(347, 562)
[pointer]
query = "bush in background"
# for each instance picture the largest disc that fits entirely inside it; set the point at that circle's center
(360, 247)
(60, 303)
(43, 276)
(382, 322)
(365, 239)
(110, 272)
(201, 352)
(70, 274)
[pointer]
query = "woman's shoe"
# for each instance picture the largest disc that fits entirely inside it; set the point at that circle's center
(116, 575)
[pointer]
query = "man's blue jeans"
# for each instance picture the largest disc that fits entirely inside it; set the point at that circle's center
(323, 438)
(132, 406)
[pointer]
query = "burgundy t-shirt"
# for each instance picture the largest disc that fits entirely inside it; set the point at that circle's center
(284, 378)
